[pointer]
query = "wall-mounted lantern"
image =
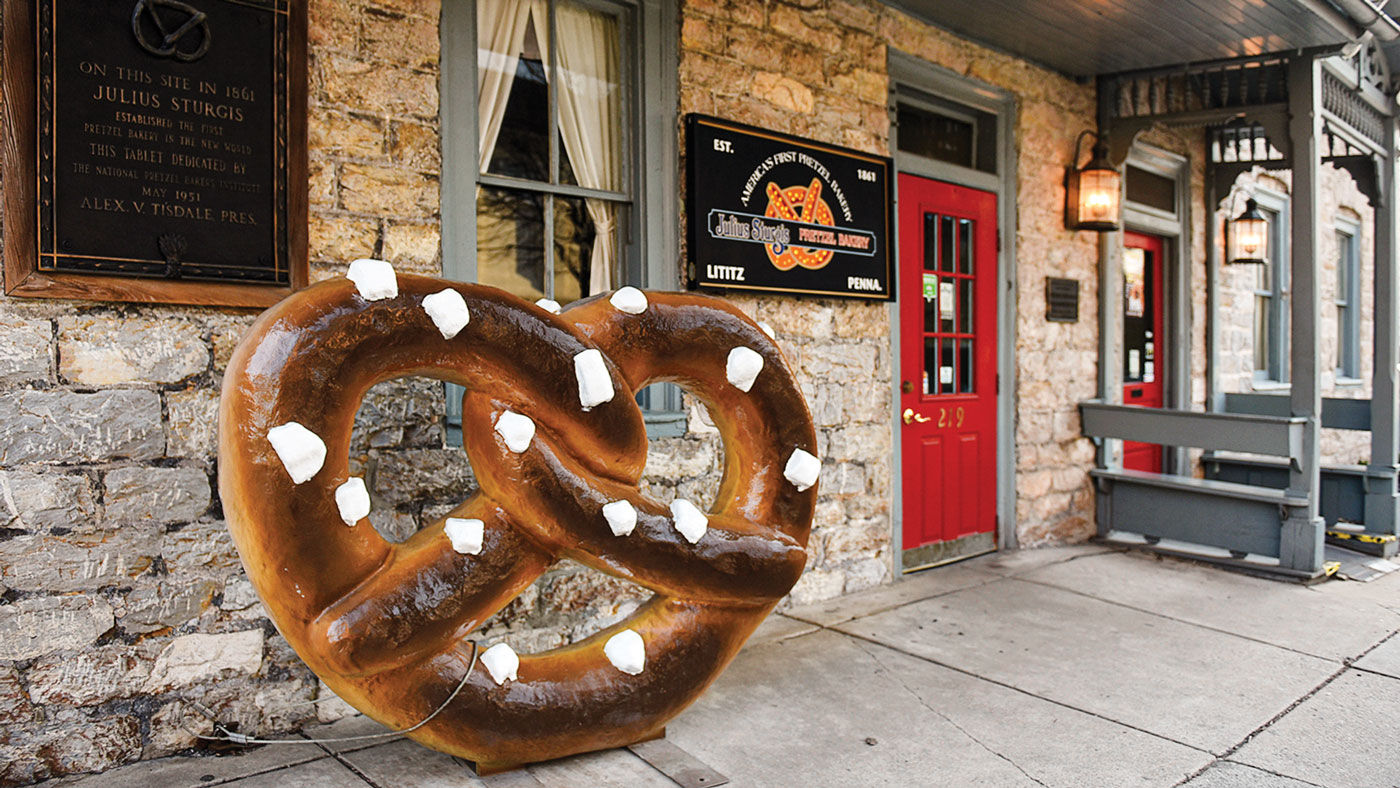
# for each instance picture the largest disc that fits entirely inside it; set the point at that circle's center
(1093, 193)
(1247, 237)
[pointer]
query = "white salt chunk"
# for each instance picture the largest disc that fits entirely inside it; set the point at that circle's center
(621, 517)
(466, 535)
(448, 310)
(767, 329)
(353, 500)
(302, 451)
(374, 279)
(629, 300)
(501, 662)
(690, 521)
(743, 367)
(802, 469)
(595, 385)
(517, 430)
(549, 305)
(626, 652)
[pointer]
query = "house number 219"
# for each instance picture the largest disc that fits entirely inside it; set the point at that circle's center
(950, 418)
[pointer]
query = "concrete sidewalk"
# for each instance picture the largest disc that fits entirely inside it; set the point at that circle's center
(1067, 667)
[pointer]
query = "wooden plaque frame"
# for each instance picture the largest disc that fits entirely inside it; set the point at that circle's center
(18, 154)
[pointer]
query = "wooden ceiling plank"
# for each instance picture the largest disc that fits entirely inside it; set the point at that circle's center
(1085, 39)
(1068, 44)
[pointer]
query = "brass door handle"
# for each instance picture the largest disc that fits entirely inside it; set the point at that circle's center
(910, 417)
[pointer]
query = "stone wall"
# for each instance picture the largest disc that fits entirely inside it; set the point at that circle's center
(1339, 196)
(122, 600)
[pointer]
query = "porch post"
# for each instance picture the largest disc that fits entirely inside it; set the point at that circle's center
(1215, 400)
(1300, 543)
(1381, 499)
(1110, 336)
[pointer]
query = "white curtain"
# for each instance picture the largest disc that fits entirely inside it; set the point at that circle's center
(590, 121)
(501, 28)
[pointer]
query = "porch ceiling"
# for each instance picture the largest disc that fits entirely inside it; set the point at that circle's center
(1083, 38)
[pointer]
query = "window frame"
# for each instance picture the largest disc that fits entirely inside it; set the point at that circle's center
(1275, 208)
(648, 236)
(1347, 300)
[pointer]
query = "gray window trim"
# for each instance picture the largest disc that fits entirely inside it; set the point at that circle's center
(650, 236)
(1349, 323)
(1275, 206)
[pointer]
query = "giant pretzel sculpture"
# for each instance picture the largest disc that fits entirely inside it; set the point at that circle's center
(384, 625)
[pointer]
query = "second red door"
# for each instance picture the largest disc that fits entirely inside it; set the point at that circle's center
(1143, 360)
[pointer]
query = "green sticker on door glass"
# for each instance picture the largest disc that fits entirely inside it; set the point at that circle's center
(930, 286)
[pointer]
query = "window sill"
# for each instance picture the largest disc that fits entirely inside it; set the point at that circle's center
(1271, 385)
(1348, 383)
(665, 424)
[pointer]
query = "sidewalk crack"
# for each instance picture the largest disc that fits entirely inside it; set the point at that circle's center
(960, 729)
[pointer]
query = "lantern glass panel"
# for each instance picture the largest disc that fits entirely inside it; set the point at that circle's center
(1249, 240)
(1098, 196)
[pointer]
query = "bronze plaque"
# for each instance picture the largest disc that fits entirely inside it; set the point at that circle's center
(1061, 300)
(162, 139)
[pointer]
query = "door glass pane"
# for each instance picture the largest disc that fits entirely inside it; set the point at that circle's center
(930, 242)
(947, 303)
(964, 246)
(510, 241)
(930, 294)
(965, 306)
(1137, 313)
(930, 365)
(515, 92)
(965, 366)
(946, 234)
(574, 238)
(947, 382)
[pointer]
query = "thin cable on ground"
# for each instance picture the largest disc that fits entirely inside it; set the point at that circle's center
(239, 738)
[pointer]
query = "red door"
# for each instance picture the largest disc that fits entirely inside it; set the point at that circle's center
(1143, 340)
(948, 270)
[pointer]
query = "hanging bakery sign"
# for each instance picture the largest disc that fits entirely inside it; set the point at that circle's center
(772, 212)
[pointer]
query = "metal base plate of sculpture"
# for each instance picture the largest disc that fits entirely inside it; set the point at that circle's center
(558, 445)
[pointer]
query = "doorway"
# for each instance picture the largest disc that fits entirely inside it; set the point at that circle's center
(1144, 340)
(948, 355)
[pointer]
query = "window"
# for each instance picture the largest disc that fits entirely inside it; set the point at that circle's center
(1270, 323)
(946, 131)
(554, 190)
(559, 159)
(1149, 189)
(1347, 300)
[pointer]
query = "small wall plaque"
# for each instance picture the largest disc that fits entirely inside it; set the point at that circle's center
(1061, 300)
(156, 150)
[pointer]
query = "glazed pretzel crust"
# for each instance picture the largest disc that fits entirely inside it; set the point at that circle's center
(384, 625)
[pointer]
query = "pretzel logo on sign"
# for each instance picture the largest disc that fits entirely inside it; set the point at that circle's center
(558, 445)
(798, 204)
